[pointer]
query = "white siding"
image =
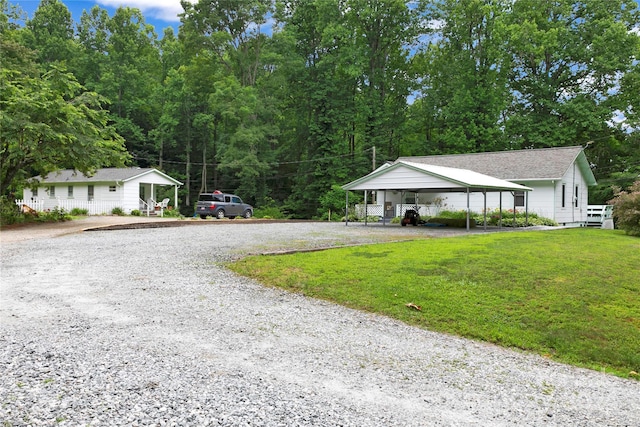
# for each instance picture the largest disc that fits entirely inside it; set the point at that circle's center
(403, 177)
(570, 213)
(131, 196)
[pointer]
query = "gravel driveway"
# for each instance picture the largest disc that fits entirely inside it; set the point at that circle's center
(146, 327)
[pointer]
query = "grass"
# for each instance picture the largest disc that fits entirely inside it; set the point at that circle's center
(572, 295)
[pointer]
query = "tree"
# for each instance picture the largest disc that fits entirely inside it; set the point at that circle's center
(567, 59)
(49, 122)
(464, 75)
(51, 33)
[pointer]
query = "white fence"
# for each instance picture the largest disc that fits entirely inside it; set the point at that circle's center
(93, 207)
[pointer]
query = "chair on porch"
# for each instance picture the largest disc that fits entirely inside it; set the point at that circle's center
(163, 205)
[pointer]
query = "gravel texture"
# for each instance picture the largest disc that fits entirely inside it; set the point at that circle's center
(146, 327)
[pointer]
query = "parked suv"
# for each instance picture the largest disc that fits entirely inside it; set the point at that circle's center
(219, 205)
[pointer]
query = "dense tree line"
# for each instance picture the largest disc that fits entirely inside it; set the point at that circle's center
(280, 100)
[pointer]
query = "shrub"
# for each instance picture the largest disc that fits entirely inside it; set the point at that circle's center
(9, 212)
(626, 209)
(117, 211)
(454, 214)
(79, 212)
(453, 222)
(171, 213)
(269, 212)
(269, 209)
(136, 212)
(55, 215)
(521, 220)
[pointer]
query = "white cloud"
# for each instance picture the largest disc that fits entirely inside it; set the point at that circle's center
(165, 10)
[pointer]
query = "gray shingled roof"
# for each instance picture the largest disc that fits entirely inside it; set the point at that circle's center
(101, 175)
(516, 165)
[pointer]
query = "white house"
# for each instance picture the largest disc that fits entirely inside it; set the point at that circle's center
(558, 177)
(108, 188)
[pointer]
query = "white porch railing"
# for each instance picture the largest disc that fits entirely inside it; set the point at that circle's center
(93, 207)
(596, 214)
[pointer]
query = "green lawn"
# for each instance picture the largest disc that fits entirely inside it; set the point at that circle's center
(573, 294)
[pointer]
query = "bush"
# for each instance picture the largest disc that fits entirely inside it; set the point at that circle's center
(626, 209)
(269, 212)
(453, 222)
(117, 211)
(9, 212)
(55, 215)
(171, 213)
(79, 212)
(521, 220)
(136, 212)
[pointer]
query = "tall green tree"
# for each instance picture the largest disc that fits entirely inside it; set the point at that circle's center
(121, 61)
(567, 59)
(49, 122)
(464, 75)
(50, 33)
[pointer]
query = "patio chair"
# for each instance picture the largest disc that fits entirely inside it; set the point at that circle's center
(163, 205)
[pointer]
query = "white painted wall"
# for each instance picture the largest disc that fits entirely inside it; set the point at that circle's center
(570, 213)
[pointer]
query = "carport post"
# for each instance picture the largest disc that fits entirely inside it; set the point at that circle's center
(384, 206)
(500, 213)
(366, 205)
(468, 208)
(526, 208)
(513, 193)
(484, 193)
(346, 208)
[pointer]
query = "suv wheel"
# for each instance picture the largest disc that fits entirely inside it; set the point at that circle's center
(203, 216)
(220, 214)
(247, 214)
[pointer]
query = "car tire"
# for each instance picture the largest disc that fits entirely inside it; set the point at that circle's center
(247, 214)
(203, 216)
(220, 214)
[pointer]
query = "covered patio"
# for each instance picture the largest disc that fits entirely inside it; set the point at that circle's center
(417, 178)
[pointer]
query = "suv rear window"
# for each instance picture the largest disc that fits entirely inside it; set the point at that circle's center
(207, 197)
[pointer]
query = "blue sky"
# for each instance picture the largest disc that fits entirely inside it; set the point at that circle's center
(159, 13)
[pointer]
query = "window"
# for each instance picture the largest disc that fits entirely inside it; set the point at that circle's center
(35, 192)
(52, 192)
(518, 198)
(90, 193)
(575, 197)
(564, 192)
(112, 188)
(70, 192)
(235, 199)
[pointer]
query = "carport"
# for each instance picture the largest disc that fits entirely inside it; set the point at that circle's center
(407, 176)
